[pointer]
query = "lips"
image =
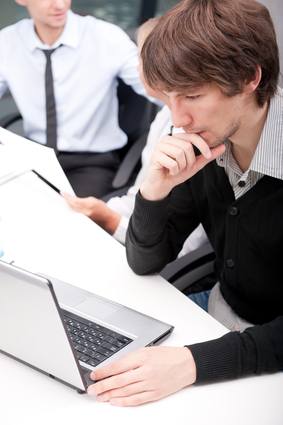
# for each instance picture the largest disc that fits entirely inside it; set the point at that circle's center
(59, 15)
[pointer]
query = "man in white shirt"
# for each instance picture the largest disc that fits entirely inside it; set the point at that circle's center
(90, 54)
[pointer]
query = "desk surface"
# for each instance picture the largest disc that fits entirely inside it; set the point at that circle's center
(44, 235)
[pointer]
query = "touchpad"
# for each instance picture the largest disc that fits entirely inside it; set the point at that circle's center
(95, 308)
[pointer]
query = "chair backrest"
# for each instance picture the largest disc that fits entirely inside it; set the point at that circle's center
(194, 272)
(135, 112)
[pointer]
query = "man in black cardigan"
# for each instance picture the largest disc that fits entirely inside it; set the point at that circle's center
(217, 61)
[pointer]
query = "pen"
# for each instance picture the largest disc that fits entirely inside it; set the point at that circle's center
(47, 182)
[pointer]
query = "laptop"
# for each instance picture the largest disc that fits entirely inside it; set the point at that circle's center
(64, 331)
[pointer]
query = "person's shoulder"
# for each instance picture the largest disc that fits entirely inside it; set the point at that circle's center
(106, 30)
(13, 29)
(20, 25)
(12, 33)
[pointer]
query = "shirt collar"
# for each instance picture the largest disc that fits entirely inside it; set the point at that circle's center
(69, 37)
(268, 157)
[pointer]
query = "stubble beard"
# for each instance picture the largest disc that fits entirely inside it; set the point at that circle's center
(229, 132)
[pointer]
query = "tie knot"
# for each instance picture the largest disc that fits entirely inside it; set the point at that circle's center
(49, 52)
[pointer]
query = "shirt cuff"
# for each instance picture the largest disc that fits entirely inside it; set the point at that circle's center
(120, 232)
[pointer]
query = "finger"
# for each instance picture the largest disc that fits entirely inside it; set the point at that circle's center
(72, 201)
(126, 391)
(126, 363)
(181, 144)
(135, 400)
(78, 204)
(162, 161)
(171, 151)
(114, 382)
(197, 141)
(66, 195)
(69, 198)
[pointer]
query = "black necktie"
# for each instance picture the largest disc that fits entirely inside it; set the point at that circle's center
(51, 124)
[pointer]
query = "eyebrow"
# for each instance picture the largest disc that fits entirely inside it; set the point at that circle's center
(185, 93)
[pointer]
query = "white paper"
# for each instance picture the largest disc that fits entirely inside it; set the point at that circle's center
(19, 155)
(11, 165)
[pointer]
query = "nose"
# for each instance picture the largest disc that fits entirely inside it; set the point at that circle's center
(59, 4)
(181, 115)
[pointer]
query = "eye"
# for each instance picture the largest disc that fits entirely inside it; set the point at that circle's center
(191, 97)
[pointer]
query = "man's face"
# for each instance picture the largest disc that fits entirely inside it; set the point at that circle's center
(48, 13)
(207, 112)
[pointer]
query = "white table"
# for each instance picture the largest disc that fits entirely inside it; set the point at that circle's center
(44, 235)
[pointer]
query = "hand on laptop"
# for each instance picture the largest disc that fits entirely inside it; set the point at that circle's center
(96, 210)
(152, 373)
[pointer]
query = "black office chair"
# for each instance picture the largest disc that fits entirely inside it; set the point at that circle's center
(136, 113)
(194, 272)
(135, 116)
(9, 119)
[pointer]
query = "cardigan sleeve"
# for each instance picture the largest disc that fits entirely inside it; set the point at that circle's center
(155, 236)
(258, 349)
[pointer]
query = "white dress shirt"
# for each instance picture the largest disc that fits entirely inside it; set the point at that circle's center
(85, 67)
(124, 205)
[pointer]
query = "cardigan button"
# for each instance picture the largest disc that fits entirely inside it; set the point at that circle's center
(233, 210)
(230, 263)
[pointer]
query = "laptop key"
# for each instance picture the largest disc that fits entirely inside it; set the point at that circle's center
(93, 362)
(93, 347)
(124, 339)
(99, 357)
(81, 349)
(83, 358)
(111, 347)
(105, 352)
(98, 342)
(118, 343)
(101, 335)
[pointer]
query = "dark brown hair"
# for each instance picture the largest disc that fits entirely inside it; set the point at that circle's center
(199, 41)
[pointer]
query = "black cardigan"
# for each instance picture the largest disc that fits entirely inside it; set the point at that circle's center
(247, 236)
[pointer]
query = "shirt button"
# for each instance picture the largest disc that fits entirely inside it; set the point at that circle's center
(230, 263)
(241, 183)
(233, 210)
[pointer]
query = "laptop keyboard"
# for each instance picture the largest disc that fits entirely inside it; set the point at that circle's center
(93, 343)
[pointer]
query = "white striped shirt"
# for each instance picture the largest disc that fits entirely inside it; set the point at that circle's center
(267, 160)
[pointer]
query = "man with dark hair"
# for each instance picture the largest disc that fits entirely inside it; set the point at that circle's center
(217, 61)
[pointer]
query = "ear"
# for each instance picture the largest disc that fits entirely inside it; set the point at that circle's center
(252, 85)
(21, 2)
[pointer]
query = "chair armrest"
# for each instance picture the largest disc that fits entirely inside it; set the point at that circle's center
(10, 119)
(129, 162)
(119, 192)
(190, 268)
